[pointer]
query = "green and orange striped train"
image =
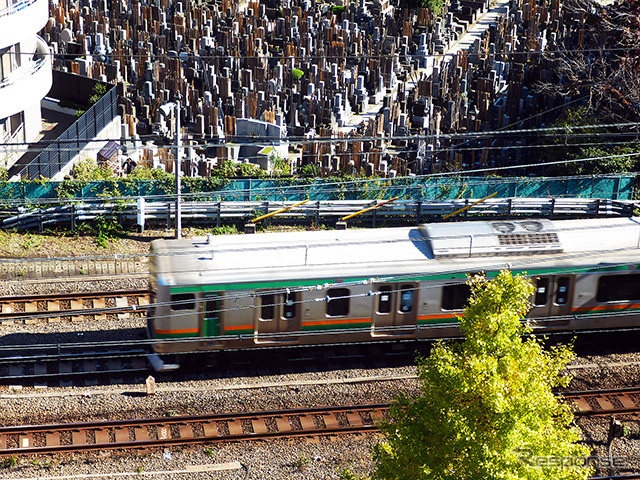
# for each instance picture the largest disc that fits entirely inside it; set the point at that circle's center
(364, 285)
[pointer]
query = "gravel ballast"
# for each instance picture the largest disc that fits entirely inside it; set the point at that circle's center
(314, 458)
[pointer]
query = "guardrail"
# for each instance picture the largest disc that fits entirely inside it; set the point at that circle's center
(211, 214)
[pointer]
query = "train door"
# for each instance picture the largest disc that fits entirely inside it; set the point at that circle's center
(279, 312)
(552, 296)
(211, 316)
(394, 306)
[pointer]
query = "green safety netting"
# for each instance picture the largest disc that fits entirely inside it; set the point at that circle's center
(615, 187)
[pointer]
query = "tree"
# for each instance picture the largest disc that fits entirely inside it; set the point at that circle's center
(573, 143)
(601, 65)
(486, 409)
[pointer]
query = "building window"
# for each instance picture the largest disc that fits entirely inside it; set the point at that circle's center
(455, 297)
(338, 302)
(616, 288)
(183, 301)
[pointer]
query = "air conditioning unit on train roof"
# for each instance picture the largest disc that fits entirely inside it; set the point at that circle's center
(472, 239)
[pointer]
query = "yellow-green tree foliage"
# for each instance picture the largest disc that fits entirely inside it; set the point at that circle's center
(486, 409)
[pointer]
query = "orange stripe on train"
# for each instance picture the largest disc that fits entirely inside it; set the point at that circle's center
(184, 330)
(238, 327)
(338, 322)
(434, 317)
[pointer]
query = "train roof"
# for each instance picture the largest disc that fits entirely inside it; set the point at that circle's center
(436, 248)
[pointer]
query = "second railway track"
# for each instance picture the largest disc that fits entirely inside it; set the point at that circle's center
(227, 427)
(75, 306)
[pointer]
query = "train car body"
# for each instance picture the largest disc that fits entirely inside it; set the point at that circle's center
(340, 286)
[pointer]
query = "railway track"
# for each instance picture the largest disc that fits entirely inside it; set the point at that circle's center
(211, 428)
(620, 401)
(185, 430)
(73, 307)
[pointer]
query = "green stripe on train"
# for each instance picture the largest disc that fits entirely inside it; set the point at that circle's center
(176, 335)
(435, 321)
(237, 331)
(400, 279)
(608, 310)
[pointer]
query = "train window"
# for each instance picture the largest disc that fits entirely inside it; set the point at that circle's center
(338, 302)
(454, 297)
(183, 301)
(289, 305)
(212, 309)
(614, 288)
(406, 298)
(542, 291)
(384, 299)
(562, 293)
(267, 306)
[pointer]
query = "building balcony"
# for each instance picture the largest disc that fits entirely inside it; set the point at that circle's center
(29, 84)
(22, 19)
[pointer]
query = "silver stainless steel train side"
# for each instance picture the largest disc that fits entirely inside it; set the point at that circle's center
(248, 291)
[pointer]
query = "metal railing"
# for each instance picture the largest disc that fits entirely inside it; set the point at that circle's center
(73, 140)
(408, 212)
(16, 6)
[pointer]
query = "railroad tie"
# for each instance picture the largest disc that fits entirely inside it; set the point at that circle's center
(211, 429)
(626, 401)
(142, 434)
(186, 431)
(122, 435)
(604, 403)
(355, 420)
(98, 303)
(102, 436)
(52, 439)
(164, 433)
(65, 367)
(139, 363)
(235, 427)
(284, 425)
(31, 307)
(307, 423)
(3, 442)
(259, 427)
(331, 422)
(79, 437)
(122, 302)
(377, 416)
(582, 404)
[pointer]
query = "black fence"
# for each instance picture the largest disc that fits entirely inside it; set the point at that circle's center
(62, 150)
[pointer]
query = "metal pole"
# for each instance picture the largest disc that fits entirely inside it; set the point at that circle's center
(177, 167)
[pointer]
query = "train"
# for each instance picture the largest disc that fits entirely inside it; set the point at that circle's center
(261, 290)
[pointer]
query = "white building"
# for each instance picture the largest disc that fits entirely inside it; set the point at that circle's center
(25, 73)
